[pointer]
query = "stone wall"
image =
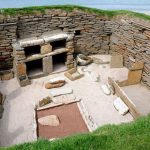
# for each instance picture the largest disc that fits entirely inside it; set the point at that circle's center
(131, 38)
(89, 29)
(91, 35)
(7, 37)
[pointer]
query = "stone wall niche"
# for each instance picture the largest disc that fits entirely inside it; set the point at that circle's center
(39, 56)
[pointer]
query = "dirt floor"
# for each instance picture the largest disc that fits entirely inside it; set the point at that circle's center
(71, 122)
(17, 124)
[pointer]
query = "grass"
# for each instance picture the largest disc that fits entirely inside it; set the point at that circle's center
(131, 136)
(68, 8)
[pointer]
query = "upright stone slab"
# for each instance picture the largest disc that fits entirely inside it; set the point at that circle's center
(47, 65)
(21, 69)
(1, 98)
(45, 49)
(116, 61)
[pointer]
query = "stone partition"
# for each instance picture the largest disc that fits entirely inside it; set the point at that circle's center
(131, 38)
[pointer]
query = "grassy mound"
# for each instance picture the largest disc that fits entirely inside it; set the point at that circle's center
(68, 8)
(131, 136)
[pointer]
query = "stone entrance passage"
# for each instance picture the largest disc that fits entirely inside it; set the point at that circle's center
(40, 56)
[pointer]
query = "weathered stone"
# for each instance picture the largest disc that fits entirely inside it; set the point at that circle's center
(21, 69)
(45, 49)
(45, 101)
(23, 80)
(31, 41)
(56, 85)
(59, 92)
(116, 61)
(51, 120)
(7, 76)
(106, 90)
(120, 106)
(47, 64)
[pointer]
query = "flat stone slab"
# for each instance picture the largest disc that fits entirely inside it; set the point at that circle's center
(58, 92)
(31, 42)
(54, 37)
(51, 120)
(64, 98)
(116, 61)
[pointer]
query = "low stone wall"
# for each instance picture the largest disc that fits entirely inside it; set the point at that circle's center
(131, 38)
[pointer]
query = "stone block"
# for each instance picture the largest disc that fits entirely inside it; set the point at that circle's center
(47, 65)
(45, 49)
(24, 80)
(134, 77)
(7, 76)
(70, 58)
(116, 61)
(21, 69)
(45, 101)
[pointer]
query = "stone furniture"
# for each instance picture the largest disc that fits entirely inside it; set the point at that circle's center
(34, 57)
(73, 74)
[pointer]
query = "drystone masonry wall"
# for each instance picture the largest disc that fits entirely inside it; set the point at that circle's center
(131, 38)
(91, 35)
(7, 37)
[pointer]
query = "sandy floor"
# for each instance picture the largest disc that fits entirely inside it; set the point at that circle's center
(17, 123)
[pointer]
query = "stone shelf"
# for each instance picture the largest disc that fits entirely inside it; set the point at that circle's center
(39, 56)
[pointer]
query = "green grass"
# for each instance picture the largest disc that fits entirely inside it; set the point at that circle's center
(131, 136)
(42, 9)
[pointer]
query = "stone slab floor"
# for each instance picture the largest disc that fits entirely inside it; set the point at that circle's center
(17, 124)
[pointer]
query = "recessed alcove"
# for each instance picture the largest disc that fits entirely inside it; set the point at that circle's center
(34, 68)
(32, 50)
(58, 44)
(59, 62)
